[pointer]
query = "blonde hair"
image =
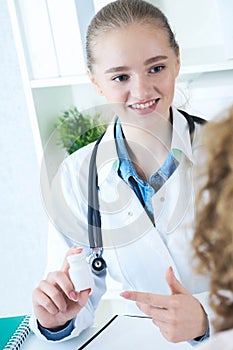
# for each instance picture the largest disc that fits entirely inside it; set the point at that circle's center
(121, 13)
(213, 239)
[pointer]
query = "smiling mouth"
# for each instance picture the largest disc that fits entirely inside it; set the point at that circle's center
(144, 105)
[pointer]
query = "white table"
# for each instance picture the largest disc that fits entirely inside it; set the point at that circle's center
(33, 343)
(131, 333)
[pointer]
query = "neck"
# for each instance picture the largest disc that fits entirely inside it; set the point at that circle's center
(148, 146)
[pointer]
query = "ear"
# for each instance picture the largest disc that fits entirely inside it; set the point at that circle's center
(94, 82)
(178, 64)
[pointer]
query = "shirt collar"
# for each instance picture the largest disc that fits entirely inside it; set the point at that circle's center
(125, 164)
(107, 156)
(181, 141)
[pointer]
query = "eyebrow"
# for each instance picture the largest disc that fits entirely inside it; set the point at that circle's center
(155, 59)
(116, 69)
(125, 68)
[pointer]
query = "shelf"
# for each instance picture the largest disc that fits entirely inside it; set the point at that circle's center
(204, 60)
(184, 73)
(59, 81)
(208, 68)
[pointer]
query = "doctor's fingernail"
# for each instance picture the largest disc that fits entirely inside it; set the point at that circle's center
(125, 294)
(77, 249)
(73, 296)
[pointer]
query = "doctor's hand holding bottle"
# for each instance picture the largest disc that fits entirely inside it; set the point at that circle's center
(55, 300)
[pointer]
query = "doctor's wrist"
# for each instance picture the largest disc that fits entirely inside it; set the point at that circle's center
(57, 333)
(204, 334)
(55, 329)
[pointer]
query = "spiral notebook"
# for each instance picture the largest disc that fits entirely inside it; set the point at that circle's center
(13, 331)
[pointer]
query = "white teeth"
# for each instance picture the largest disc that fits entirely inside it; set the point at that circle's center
(143, 105)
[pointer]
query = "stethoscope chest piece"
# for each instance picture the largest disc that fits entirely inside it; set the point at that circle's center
(98, 265)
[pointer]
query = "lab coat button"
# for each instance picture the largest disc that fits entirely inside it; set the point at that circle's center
(162, 199)
(130, 213)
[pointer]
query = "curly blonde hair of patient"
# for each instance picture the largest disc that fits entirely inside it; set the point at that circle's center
(213, 239)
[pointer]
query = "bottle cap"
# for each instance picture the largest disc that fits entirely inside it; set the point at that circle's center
(73, 258)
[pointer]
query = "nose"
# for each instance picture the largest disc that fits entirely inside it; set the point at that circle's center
(141, 88)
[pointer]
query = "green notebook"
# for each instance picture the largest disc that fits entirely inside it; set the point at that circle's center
(13, 331)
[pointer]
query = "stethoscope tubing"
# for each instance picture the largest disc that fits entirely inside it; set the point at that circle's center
(94, 218)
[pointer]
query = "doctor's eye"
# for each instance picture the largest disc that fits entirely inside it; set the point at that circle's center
(156, 69)
(121, 78)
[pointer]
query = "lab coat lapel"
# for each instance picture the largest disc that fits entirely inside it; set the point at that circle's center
(173, 200)
(128, 232)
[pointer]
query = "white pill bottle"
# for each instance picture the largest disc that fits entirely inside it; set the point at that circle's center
(80, 272)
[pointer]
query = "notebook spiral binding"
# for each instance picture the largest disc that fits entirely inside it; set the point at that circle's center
(19, 335)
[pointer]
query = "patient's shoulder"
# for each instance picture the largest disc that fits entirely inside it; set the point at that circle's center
(221, 340)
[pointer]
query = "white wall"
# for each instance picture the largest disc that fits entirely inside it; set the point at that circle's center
(209, 94)
(22, 219)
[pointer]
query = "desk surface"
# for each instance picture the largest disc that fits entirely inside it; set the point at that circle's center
(33, 343)
(135, 333)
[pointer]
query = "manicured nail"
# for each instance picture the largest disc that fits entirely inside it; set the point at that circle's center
(77, 249)
(73, 296)
(125, 294)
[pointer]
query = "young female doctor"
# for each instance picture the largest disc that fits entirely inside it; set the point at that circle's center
(145, 190)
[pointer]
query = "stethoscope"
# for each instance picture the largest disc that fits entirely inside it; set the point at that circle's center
(96, 259)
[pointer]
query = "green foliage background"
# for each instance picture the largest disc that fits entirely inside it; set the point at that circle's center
(76, 130)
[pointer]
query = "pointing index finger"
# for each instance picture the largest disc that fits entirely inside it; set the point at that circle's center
(155, 300)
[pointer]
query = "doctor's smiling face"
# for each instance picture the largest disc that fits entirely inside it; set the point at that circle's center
(135, 66)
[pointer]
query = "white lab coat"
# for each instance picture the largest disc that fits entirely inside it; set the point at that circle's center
(221, 340)
(137, 253)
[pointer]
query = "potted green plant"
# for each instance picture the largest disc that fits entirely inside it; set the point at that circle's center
(76, 129)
